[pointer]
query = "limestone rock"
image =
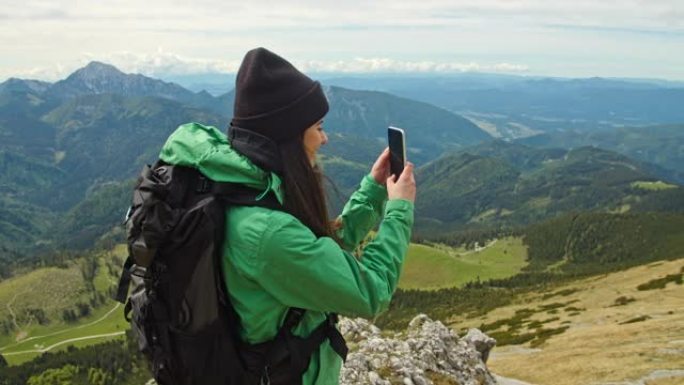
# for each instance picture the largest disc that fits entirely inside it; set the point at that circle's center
(427, 351)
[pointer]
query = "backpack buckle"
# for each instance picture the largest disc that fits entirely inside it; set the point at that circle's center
(203, 185)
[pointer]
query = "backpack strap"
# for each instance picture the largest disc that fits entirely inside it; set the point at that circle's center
(124, 281)
(337, 342)
(301, 349)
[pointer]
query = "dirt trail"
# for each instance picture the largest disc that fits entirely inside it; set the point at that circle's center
(509, 381)
(65, 330)
(477, 249)
(654, 375)
(70, 340)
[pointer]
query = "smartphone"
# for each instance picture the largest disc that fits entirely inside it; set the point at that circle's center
(397, 145)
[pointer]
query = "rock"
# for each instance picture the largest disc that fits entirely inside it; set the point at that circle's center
(482, 342)
(427, 350)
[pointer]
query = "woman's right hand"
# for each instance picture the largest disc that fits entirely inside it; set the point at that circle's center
(404, 187)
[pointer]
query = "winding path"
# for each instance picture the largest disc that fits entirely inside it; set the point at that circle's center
(62, 331)
(70, 340)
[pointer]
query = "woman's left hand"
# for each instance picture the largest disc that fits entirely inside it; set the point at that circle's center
(381, 167)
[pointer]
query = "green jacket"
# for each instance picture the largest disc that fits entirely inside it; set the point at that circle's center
(272, 261)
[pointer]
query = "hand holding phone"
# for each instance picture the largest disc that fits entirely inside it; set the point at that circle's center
(397, 145)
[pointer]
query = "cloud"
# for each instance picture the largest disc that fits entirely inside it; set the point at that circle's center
(162, 63)
(240, 15)
(382, 65)
(608, 38)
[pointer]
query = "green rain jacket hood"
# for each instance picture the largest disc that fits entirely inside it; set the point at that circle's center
(207, 149)
(272, 262)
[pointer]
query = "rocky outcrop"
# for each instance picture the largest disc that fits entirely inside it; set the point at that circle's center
(427, 353)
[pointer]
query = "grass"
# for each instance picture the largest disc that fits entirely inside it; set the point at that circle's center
(53, 290)
(48, 289)
(603, 337)
(438, 266)
(113, 322)
(653, 186)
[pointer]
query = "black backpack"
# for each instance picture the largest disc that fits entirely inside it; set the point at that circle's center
(179, 310)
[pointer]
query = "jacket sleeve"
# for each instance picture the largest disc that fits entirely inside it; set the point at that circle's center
(317, 274)
(362, 212)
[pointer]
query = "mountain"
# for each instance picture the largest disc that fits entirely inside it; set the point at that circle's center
(65, 145)
(99, 78)
(429, 130)
(502, 183)
(21, 85)
(109, 137)
(362, 117)
(662, 145)
(516, 106)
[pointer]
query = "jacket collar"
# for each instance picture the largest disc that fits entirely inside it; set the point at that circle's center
(261, 150)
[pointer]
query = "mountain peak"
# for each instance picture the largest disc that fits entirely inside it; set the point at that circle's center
(99, 78)
(96, 70)
(23, 85)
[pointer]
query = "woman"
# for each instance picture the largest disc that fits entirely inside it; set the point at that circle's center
(275, 260)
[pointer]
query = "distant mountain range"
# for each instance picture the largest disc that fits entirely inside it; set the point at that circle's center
(500, 183)
(69, 149)
(662, 145)
(63, 142)
(516, 106)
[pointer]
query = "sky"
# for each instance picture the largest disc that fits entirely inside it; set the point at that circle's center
(48, 40)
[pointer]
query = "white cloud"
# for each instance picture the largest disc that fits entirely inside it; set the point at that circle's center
(606, 38)
(162, 63)
(366, 65)
(240, 15)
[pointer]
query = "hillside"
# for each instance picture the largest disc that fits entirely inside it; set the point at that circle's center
(46, 307)
(500, 183)
(659, 145)
(558, 251)
(429, 130)
(622, 327)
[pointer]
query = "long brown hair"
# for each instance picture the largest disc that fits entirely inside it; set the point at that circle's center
(304, 194)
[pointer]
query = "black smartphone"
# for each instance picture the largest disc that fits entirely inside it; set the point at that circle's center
(397, 145)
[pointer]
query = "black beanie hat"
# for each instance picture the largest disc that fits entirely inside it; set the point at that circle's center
(274, 99)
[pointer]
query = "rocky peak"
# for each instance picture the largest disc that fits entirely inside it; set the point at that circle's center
(101, 78)
(97, 71)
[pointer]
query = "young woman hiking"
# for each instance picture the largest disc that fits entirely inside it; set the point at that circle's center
(275, 260)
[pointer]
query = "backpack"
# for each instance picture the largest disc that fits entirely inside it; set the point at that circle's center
(178, 308)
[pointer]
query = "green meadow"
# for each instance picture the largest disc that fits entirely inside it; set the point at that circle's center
(99, 327)
(431, 267)
(53, 289)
